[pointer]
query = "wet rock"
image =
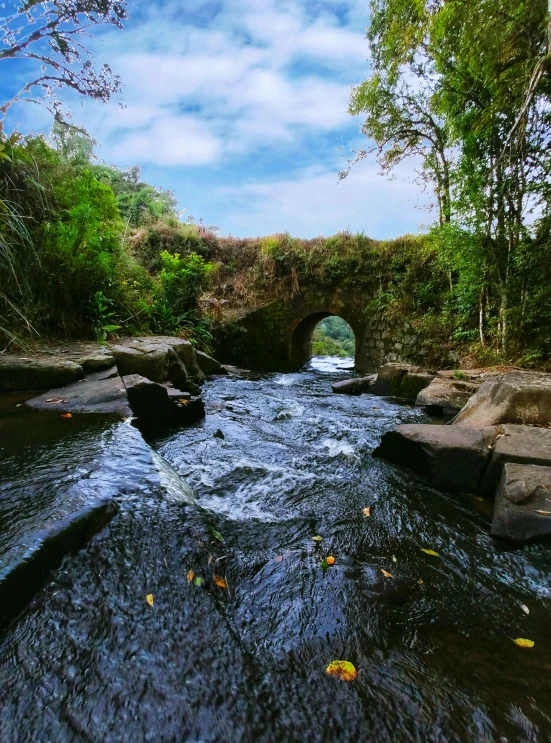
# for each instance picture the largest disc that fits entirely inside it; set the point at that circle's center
(356, 386)
(178, 395)
(523, 491)
(515, 397)
(105, 396)
(401, 380)
(22, 373)
(451, 457)
(208, 365)
(520, 445)
(22, 577)
(447, 395)
(151, 357)
(153, 406)
(219, 434)
(177, 372)
(99, 361)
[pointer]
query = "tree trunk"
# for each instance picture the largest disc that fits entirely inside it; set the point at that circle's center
(481, 318)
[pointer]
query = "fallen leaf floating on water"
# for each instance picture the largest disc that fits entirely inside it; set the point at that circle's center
(525, 609)
(149, 599)
(367, 511)
(220, 582)
(198, 581)
(317, 538)
(330, 560)
(421, 581)
(66, 415)
(387, 575)
(343, 670)
(190, 576)
(394, 558)
(430, 552)
(542, 513)
(279, 558)
(522, 642)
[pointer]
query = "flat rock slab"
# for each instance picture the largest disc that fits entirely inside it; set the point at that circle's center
(515, 397)
(356, 386)
(401, 380)
(451, 457)
(520, 445)
(152, 357)
(28, 373)
(524, 490)
(103, 396)
(449, 394)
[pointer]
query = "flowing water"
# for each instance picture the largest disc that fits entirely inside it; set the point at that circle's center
(91, 660)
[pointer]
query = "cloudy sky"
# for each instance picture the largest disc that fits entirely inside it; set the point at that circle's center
(240, 108)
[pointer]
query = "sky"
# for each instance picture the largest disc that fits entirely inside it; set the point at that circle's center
(240, 108)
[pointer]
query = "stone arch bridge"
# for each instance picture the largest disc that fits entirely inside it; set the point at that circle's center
(278, 335)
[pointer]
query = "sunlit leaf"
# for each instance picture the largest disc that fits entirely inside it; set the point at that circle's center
(66, 415)
(220, 582)
(542, 513)
(394, 558)
(386, 574)
(421, 581)
(216, 534)
(367, 511)
(190, 576)
(149, 599)
(198, 581)
(330, 560)
(343, 670)
(317, 538)
(522, 642)
(525, 609)
(182, 401)
(430, 552)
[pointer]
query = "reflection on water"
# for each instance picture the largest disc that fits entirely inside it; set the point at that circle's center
(90, 660)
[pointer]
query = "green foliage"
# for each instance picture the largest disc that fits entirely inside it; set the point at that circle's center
(333, 337)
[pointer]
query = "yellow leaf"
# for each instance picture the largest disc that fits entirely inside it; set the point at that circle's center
(149, 599)
(317, 538)
(387, 575)
(182, 401)
(220, 582)
(522, 642)
(394, 558)
(477, 497)
(330, 560)
(342, 669)
(430, 552)
(367, 511)
(66, 415)
(543, 513)
(421, 581)
(190, 576)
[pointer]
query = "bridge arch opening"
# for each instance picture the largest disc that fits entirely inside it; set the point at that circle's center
(322, 334)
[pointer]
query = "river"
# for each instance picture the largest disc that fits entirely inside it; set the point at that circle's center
(90, 660)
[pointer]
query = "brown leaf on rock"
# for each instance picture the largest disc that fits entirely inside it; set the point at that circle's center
(220, 582)
(386, 574)
(190, 576)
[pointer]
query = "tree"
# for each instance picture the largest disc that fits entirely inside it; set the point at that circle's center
(51, 33)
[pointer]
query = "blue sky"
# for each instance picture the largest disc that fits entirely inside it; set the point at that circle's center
(240, 108)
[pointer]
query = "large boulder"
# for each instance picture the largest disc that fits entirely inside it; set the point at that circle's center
(208, 365)
(516, 397)
(447, 395)
(152, 357)
(451, 457)
(401, 380)
(355, 386)
(522, 509)
(23, 373)
(99, 396)
(520, 445)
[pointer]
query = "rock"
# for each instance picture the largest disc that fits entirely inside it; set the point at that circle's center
(354, 386)
(401, 380)
(96, 362)
(177, 372)
(153, 406)
(151, 357)
(101, 396)
(21, 578)
(219, 434)
(515, 397)
(20, 373)
(178, 395)
(208, 365)
(451, 457)
(448, 395)
(520, 445)
(523, 491)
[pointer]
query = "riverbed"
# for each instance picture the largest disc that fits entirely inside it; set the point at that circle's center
(242, 618)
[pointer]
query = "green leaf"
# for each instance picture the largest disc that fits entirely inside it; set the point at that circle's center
(198, 581)
(216, 534)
